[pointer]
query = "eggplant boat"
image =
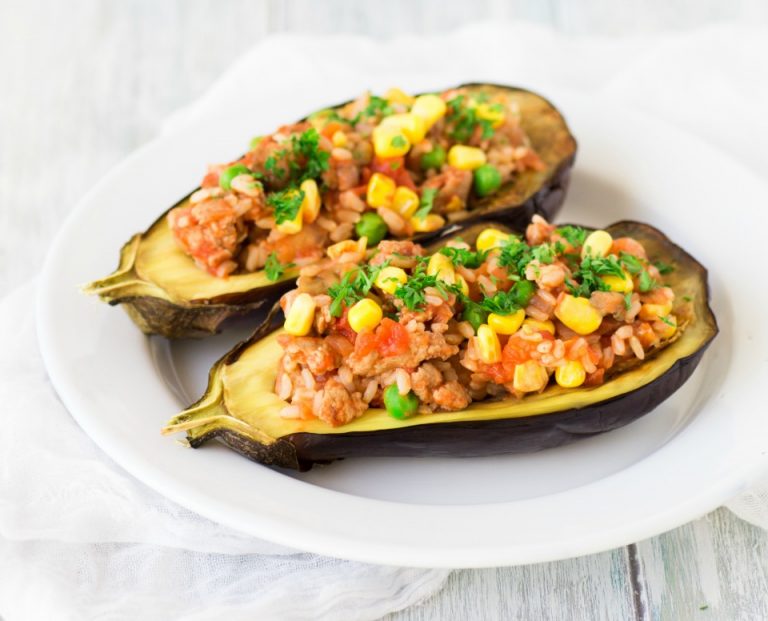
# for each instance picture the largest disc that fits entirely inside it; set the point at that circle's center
(395, 167)
(494, 343)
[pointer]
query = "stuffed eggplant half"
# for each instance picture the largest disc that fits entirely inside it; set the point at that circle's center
(488, 343)
(394, 167)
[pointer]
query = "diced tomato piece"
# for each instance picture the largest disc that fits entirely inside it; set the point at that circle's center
(341, 326)
(211, 180)
(500, 372)
(390, 338)
(645, 334)
(596, 378)
(628, 245)
(518, 350)
(331, 128)
(393, 167)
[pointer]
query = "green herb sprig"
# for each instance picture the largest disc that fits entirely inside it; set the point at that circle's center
(274, 269)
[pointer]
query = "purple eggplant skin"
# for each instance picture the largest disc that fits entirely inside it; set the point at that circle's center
(634, 390)
(146, 287)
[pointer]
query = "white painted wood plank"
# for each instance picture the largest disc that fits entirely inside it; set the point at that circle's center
(713, 569)
(595, 587)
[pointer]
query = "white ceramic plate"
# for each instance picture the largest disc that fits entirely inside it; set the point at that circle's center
(675, 464)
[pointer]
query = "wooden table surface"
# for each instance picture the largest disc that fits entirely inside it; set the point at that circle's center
(85, 82)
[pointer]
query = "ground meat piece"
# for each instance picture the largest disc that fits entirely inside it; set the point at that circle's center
(423, 346)
(609, 303)
(424, 380)
(429, 385)
(337, 405)
(210, 232)
(450, 184)
(398, 253)
(308, 243)
(451, 396)
(309, 351)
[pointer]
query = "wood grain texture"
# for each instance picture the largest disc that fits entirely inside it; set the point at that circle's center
(86, 82)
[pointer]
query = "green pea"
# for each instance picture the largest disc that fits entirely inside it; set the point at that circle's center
(487, 179)
(433, 159)
(400, 406)
(522, 292)
(372, 226)
(474, 315)
(225, 179)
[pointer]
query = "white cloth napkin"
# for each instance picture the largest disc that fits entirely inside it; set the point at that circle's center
(81, 539)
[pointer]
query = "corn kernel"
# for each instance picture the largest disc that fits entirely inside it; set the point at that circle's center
(364, 315)
(440, 266)
(490, 239)
(506, 324)
(405, 201)
(652, 312)
(381, 190)
(491, 112)
(396, 95)
(461, 281)
(310, 206)
(429, 107)
(578, 314)
(597, 244)
(412, 125)
(339, 248)
(291, 227)
(488, 345)
(466, 158)
(390, 278)
(666, 327)
(529, 376)
(622, 285)
(431, 222)
(339, 139)
(571, 374)
(539, 326)
(300, 316)
(455, 204)
(390, 141)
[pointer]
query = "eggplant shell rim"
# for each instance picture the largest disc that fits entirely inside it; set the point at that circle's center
(157, 311)
(302, 450)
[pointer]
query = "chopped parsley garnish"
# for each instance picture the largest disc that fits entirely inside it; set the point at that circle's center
(627, 301)
(426, 203)
(631, 263)
(645, 282)
(377, 106)
(516, 254)
(462, 256)
(274, 268)
(463, 120)
(353, 286)
(508, 302)
(545, 253)
(590, 272)
(574, 235)
(286, 204)
(664, 268)
(687, 298)
(306, 147)
(411, 292)
(398, 142)
(667, 321)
